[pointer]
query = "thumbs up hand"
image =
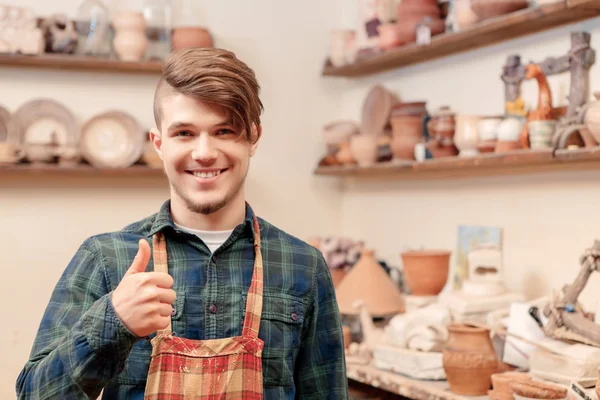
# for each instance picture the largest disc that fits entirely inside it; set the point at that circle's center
(142, 300)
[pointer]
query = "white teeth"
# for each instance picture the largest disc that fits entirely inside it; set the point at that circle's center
(206, 174)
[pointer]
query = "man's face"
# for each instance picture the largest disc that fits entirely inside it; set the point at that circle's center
(205, 158)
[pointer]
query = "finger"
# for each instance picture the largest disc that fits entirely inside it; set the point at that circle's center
(167, 296)
(140, 262)
(165, 310)
(160, 279)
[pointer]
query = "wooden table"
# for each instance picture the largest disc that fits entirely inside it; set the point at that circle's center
(401, 386)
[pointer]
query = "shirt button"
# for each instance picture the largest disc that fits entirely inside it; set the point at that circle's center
(213, 309)
(294, 316)
(214, 259)
(173, 311)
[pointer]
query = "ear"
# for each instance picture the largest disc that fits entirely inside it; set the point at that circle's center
(256, 134)
(156, 139)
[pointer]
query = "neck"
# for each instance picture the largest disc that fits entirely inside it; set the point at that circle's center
(543, 88)
(227, 218)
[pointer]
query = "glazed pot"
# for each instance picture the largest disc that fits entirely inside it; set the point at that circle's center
(364, 149)
(469, 360)
(130, 40)
(442, 123)
(186, 37)
(466, 136)
(426, 271)
(541, 133)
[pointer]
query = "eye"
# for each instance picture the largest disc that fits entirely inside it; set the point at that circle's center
(225, 131)
(183, 133)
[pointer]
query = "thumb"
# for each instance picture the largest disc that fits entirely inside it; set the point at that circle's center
(140, 262)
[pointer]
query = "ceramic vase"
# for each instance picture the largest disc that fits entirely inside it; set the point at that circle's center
(130, 40)
(426, 271)
(364, 149)
(466, 136)
(186, 37)
(469, 360)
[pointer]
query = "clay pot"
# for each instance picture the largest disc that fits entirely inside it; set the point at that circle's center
(130, 40)
(403, 147)
(442, 123)
(426, 271)
(388, 36)
(364, 149)
(485, 9)
(415, 108)
(501, 382)
(407, 126)
(411, 13)
(469, 360)
(186, 37)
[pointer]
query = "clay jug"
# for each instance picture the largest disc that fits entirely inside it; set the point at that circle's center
(469, 360)
(130, 40)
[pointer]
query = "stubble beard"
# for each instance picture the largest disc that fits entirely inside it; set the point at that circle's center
(209, 208)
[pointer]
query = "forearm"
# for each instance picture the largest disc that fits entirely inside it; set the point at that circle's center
(81, 361)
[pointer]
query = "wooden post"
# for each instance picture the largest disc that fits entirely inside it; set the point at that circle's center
(582, 57)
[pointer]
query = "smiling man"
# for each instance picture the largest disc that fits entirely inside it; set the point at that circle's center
(203, 299)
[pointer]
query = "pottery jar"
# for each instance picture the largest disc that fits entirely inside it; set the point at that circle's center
(338, 46)
(541, 133)
(364, 149)
(407, 126)
(469, 360)
(466, 136)
(191, 36)
(403, 147)
(388, 36)
(425, 271)
(130, 40)
(442, 123)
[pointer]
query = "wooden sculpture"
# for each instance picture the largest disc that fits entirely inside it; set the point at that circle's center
(577, 62)
(544, 110)
(566, 320)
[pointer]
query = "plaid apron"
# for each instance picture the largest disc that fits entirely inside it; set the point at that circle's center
(218, 369)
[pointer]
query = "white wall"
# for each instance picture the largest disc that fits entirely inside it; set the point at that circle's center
(36, 212)
(548, 220)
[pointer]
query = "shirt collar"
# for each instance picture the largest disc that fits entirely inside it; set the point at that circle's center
(164, 220)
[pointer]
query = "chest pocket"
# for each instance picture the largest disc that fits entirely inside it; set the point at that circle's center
(281, 330)
(136, 368)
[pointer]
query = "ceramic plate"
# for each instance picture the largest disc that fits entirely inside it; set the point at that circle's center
(4, 123)
(112, 139)
(376, 110)
(43, 121)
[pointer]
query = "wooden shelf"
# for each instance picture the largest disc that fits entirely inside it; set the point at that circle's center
(511, 163)
(80, 63)
(81, 169)
(400, 385)
(482, 34)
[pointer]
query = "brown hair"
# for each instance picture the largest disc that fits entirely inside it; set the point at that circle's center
(215, 76)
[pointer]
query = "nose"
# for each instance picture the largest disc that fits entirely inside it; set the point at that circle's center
(205, 149)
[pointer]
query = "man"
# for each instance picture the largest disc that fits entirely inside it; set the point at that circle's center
(203, 297)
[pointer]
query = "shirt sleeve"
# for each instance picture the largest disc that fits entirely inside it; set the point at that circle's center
(81, 343)
(320, 371)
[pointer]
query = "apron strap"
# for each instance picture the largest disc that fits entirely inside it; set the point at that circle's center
(159, 245)
(254, 301)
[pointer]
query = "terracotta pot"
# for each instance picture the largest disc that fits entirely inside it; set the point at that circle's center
(538, 390)
(130, 40)
(186, 37)
(501, 382)
(403, 147)
(485, 9)
(503, 146)
(426, 271)
(469, 360)
(364, 149)
(415, 108)
(407, 126)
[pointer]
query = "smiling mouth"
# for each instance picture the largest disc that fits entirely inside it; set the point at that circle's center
(207, 174)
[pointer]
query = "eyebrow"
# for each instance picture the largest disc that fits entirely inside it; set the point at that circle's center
(184, 124)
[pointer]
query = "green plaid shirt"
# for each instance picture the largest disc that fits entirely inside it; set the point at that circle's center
(82, 347)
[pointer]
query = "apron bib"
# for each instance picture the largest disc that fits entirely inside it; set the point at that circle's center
(218, 369)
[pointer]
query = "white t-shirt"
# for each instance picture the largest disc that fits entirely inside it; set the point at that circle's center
(213, 239)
